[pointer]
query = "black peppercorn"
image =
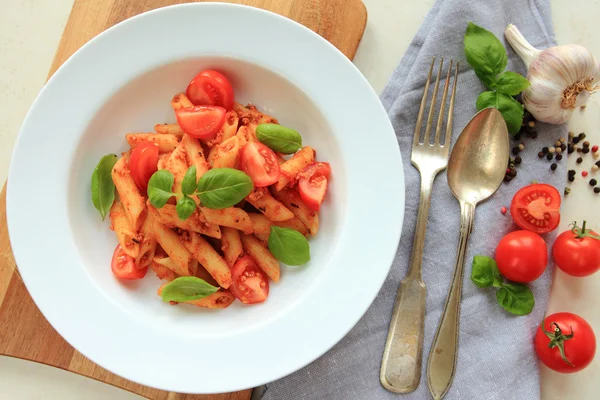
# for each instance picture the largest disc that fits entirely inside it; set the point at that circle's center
(553, 167)
(513, 173)
(518, 160)
(549, 156)
(570, 148)
(581, 136)
(593, 182)
(516, 150)
(585, 150)
(517, 136)
(597, 190)
(541, 155)
(558, 157)
(533, 135)
(544, 150)
(598, 163)
(572, 172)
(586, 144)
(507, 178)
(563, 147)
(579, 160)
(575, 140)
(571, 178)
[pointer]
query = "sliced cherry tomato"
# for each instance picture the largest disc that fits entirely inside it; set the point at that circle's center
(312, 184)
(577, 251)
(569, 333)
(522, 256)
(536, 208)
(143, 163)
(202, 122)
(124, 267)
(260, 163)
(248, 282)
(210, 88)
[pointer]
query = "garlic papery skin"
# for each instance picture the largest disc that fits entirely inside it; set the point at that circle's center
(562, 77)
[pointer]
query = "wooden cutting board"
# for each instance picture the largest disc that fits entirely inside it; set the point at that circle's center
(24, 332)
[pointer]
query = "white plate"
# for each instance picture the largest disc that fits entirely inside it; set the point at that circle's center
(123, 81)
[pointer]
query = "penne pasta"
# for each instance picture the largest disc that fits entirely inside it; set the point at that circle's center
(291, 199)
(231, 217)
(181, 101)
(195, 155)
(183, 262)
(263, 257)
(162, 272)
(203, 274)
(264, 202)
(167, 215)
(177, 164)
(231, 244)
(166, 143)
(129, 195)
(208, 257)
(147, 242)
(226, 153)
(162, 160)
(169, 129)
(220, 299)
(262, 226)
(280, 158)
(291, 168)
(128, 238)
(250, 115)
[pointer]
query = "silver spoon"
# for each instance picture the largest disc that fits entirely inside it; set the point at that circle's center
(475, 171)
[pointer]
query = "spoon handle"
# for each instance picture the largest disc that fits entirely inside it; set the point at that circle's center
(441, 365)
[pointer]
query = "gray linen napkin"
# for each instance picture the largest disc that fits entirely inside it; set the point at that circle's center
(496, 357)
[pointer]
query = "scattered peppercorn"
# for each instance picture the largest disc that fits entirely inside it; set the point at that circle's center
(553, 166)
(598, 163)
(584, 173)
(531, 124)
(563, 147)
(516, 150)
(507, 178)
(557, 143)
(562, 140)
(533, 134)
(512, 173)
(596, 155)
(541, 155)
(579, 160)
(521, 146)
(581, 136)
(571, 134)
(517, 136)
(549, 156)
(593, 182)
(595, 168)
(558, 157)
(571, 178)
(558, 150)
(518, 160)
(595, 148)
(571, 172)
(503, 210)
(586, 144)
(575, 140)
(578, 149)
(570, 148)
(551, 149)
(585, 150)
(597, 190)
(567, 191)
(544, 150)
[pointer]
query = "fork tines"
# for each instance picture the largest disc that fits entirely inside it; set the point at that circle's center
(432, 108)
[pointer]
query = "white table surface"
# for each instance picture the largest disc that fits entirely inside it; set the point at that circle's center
(29, 34)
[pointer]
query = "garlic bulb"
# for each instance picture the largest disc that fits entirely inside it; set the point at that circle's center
(562, 77)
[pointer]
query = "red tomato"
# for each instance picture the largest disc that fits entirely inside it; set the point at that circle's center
(521, 256)
(312, 184)
(536, 208)
(210, 88)
(577, 251)
(123, 266)
(143, 163)
(248, 282)
(260, 163)
(202, 122)
(571, 333)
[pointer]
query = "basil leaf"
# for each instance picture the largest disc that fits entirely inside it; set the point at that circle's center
(288, 246)
(511, 109)
(511, 83)
(515, 298)
(186, 288)
(159, 188)
(279, 138)
(484, 272)
(485, 53)
(223, 187)
(103, 187)
(185, 207)
(188, 184)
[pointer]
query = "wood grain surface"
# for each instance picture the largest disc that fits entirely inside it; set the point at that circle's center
(24, 332)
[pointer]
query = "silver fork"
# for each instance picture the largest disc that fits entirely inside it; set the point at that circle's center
(401, 364)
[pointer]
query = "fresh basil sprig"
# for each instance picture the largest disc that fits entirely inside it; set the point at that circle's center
(288, 246)
(515, 298)
(217, 188)
(187, 288)
(487, 56)
(103, 187)
(279, 138)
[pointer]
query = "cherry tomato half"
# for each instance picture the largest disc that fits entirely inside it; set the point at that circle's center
(249, 283)
(124, 267)
(201, 122)
(573, 334)
(210, 88)
(536, 208)
(260, 163)
(521, 256)
(577, 251)
(312, 184)
(143, 163)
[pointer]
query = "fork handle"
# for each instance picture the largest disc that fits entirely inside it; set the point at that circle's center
(443, 355)
(401, 364)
